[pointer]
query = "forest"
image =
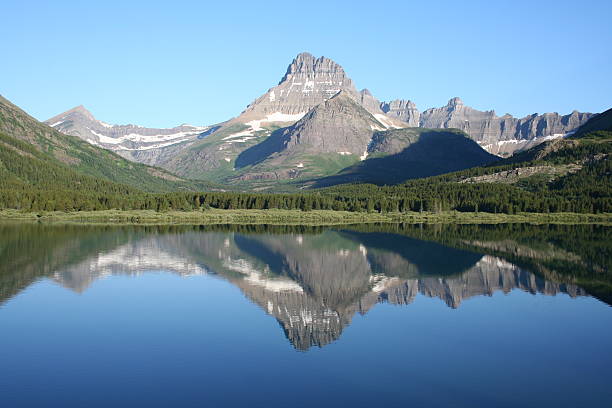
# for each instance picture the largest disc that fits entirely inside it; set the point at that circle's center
(29, 182)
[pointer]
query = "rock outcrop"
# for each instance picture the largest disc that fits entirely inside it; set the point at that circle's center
(403, 110)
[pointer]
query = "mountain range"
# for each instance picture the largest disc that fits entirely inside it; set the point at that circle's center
(316, 125)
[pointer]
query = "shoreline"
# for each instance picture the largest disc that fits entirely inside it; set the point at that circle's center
(297, 217)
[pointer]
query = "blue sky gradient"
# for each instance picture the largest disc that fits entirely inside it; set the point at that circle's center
(165, 63)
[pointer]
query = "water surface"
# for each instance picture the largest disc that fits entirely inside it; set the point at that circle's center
(298, 316)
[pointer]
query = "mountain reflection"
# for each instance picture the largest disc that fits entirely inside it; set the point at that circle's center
(313, 281)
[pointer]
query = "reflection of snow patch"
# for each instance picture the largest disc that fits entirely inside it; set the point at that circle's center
(495, 261)
(382, 282)
(257, 278)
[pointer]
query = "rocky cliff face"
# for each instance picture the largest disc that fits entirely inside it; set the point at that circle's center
(127, 140)
(502, 135)
(405, 111)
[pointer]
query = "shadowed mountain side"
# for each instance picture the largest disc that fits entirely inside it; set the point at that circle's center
(599, 122)
(338, 126)
(426, 153)
(428, 258)
(275, 143)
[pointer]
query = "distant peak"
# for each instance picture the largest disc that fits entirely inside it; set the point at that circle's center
(455, 102)
(365, 91)
(304, 56)
(82, 110)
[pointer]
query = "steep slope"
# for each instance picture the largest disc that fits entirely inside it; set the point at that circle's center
(599, 122)
(133, 142)
(401, 154)
(25, 139)
(338, 131)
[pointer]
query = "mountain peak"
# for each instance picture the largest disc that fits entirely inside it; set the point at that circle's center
(308, 82)
(455, 102)
(306, 64)
(77, 110)
(80, 110)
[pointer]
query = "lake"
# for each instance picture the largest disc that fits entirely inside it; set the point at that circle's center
(272, 316)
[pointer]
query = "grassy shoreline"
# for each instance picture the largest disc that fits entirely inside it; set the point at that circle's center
(296, 217)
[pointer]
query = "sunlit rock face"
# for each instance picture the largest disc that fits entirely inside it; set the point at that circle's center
(307, 82)
(502, 135)
(312, 284)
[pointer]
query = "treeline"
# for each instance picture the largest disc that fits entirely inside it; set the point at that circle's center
(32, 183)
(570, 195)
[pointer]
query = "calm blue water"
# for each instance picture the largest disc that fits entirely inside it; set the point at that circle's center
(194, 316)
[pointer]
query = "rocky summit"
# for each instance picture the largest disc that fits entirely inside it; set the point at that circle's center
(307, 82)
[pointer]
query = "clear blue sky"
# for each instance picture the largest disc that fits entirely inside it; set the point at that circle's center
(170, 62)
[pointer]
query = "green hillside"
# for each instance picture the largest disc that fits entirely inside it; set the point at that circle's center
(74, 155)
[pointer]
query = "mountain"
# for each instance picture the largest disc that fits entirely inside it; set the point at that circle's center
(308, 82)
(209, 152)
(400, 154)
(224, 152)
(130, 141)
(500, 135)
(34, 154)
(337, 131)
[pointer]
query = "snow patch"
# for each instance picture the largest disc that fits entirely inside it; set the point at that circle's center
(385, 121)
